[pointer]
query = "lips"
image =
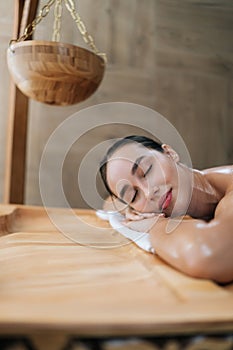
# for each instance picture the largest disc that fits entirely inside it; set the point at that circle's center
(165, 200)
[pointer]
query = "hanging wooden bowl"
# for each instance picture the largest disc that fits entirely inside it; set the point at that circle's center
(54, 72)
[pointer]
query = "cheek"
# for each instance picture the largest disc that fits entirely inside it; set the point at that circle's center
(172, 175)
(161, 174)
(168, 173)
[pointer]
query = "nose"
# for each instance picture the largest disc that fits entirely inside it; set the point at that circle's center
(148, 190)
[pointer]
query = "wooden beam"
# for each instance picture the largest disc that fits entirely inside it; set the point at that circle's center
(25, 12)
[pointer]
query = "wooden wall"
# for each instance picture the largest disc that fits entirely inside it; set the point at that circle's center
(6, 27)
(174, 56)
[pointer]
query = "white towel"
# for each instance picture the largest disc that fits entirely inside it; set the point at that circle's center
(115, 219)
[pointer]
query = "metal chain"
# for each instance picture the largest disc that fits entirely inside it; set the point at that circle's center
(29, 30)
(82, 29)
(57, 21)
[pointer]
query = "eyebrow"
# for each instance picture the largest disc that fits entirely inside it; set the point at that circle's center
(136, 164)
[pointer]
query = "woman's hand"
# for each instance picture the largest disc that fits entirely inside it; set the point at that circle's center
(134, 215)
(142, 223)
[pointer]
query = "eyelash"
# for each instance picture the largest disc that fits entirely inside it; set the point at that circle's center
(136, 191)
(134, 197)
(148, 170)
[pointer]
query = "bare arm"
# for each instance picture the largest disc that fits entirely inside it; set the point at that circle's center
(198, 248)
(195, 247)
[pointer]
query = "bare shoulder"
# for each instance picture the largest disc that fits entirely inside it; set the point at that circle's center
(224, 169)
(220, 178)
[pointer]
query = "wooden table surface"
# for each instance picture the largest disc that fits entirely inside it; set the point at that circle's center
(105, 285)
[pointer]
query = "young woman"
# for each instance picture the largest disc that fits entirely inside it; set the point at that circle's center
(149, 178)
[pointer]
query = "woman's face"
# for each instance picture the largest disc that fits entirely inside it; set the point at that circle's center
(146, 179)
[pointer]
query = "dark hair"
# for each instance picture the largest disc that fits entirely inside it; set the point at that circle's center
(143, 140)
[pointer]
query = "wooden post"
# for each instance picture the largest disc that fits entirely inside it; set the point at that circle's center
(25, 12)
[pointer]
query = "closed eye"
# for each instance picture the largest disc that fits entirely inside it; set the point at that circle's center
(135, 196)
(148, 170)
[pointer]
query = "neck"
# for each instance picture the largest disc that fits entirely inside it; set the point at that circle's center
(203, 199)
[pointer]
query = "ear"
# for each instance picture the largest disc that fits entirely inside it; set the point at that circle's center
(171, 152)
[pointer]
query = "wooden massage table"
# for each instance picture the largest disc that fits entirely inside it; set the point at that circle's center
(53, 289)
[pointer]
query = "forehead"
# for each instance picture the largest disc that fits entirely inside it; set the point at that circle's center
(121, 162)
(130, 152)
